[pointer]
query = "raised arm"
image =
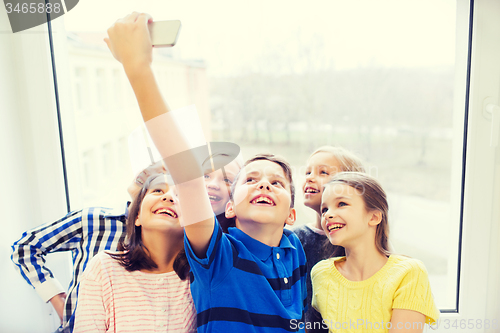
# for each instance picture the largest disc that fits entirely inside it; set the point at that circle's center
(130, 43)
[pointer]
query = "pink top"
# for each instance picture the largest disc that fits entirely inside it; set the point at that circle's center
(111, 299)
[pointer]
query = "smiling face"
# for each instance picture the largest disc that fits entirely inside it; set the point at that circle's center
(344, 216)
(218, 186)
(262, 195)
(158, 211)
(321, 167)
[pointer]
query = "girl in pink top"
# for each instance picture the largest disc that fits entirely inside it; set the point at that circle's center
(144, 288)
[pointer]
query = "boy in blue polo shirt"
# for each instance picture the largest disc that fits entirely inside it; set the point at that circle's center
(254, 278)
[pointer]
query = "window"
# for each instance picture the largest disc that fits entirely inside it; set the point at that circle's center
(100, 89)
(108, 159)
(81, 89)
(117, 90)
(380, 79)
(90, 174)
(479, 263)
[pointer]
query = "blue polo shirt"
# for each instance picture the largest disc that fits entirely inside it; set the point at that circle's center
(244, 285)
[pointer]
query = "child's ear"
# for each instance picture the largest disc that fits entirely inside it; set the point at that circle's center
(290, 220)
(137, 221)
(230, 209)
(376, 218)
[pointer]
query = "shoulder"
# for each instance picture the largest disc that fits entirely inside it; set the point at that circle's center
(302, 232)
(291, 235)
(323, 267)
(295, 241)
(403, 270)
(406, 265)
(100, 264)
(105, 212)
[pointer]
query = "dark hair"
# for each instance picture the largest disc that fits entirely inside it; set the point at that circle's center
(374, 198)
(226, 223)
(136, 254)
(287, 169)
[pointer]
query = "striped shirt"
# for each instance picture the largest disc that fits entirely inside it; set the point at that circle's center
(84, 233)
(244, 285)
(112, 299)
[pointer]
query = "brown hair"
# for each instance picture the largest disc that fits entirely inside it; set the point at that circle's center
(287, 169)
(374, 198)
(348, 160)
(136, 254)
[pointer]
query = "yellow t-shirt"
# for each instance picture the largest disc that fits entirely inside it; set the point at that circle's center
(366, 306)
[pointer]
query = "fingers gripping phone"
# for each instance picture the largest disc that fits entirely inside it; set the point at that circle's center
(164, 33)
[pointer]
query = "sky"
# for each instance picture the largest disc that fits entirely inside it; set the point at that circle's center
(294, 36)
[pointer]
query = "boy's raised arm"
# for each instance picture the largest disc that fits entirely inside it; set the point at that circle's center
(130, 43)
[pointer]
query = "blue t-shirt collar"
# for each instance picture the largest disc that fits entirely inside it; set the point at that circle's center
(260, 250)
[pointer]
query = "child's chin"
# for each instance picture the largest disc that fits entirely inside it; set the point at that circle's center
(218, 209)
(312, 204)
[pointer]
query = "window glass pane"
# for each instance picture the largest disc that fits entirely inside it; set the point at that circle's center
(376, 77)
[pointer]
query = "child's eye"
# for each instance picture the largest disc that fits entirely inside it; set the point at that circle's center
(278, 183)
(342, 204)
(324, 173)
(249, 180)
(324, 210)
(228, 181)
(157, 190)
(207, 177)
(308, 173)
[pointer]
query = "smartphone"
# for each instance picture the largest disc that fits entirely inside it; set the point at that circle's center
(164, 33)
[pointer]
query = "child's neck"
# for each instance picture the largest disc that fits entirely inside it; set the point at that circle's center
(317, 224)
(269, 234)
(362, 262)
(163, 250)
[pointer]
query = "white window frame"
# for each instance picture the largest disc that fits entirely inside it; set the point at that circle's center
(480, 253)
(30, 98)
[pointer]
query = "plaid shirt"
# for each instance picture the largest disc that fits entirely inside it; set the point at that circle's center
(85, 233)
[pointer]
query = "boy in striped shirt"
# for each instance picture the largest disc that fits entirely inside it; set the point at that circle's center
(252, 279)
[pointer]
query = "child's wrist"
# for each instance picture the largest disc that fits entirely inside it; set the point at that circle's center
(136, 69)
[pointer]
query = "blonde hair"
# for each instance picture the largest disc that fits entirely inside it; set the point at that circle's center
(347, 160)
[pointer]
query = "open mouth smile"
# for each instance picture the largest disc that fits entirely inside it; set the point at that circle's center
(263, 200)
(334, 227)
(166, 211)
(214, 198)
(310, 190)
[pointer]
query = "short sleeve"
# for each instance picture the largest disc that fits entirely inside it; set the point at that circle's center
(414, 293)
(212, 269)
(318, 273)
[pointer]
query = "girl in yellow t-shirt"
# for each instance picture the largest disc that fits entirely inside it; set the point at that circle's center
(368, 290)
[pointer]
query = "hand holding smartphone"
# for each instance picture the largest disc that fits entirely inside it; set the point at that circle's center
(164, 33)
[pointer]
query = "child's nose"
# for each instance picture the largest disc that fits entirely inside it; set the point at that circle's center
(213, 183)
(168, 197)
(265, 185)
